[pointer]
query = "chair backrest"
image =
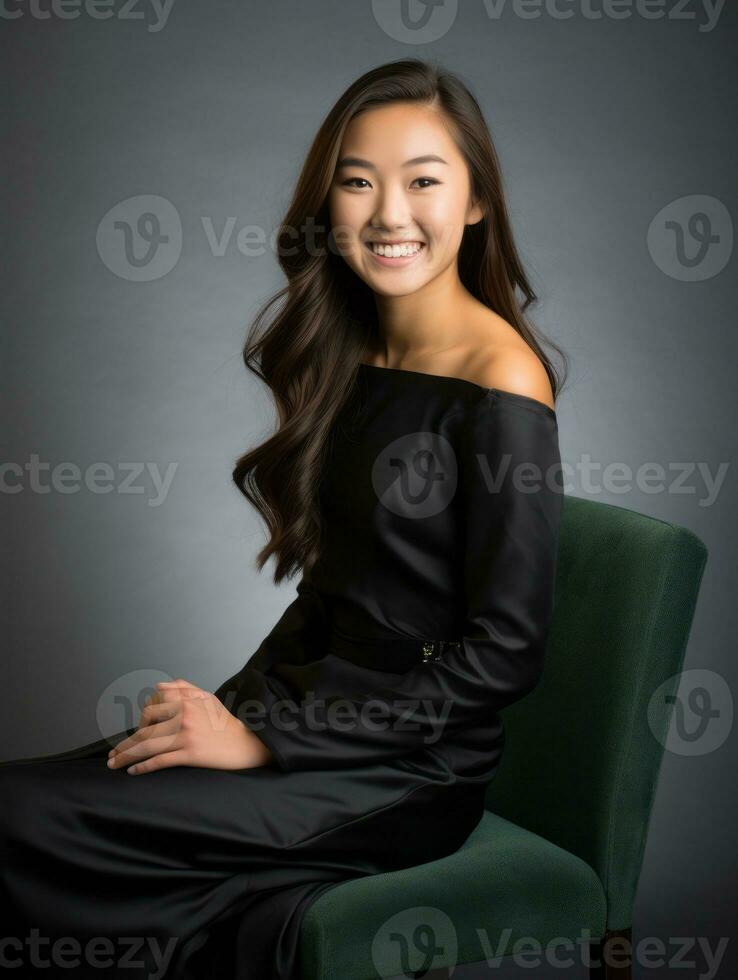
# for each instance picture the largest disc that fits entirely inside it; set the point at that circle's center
(583, 750)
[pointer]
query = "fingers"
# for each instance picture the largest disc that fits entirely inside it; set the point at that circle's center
(169, 726)
(164, 760)
(165, 687)
(169, 694)
(180, 683)
(157, 712)
(177, 688)
(216, 713)
(139, 751)
(160, 725)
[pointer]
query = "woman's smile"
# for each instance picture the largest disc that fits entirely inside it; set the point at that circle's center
(395, 255)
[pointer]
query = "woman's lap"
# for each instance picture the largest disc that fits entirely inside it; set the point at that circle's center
(169, 856)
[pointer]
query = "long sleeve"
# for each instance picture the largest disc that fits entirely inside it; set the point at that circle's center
(509, 487)
(297, 638)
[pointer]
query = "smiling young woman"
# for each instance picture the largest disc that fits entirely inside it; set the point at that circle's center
(413, 400)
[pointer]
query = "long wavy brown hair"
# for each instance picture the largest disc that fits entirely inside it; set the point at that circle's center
(309, 353)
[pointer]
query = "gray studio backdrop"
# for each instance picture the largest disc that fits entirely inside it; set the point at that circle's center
(152, 149)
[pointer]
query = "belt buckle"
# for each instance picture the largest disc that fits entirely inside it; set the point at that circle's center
(428, 651)
(431, 650)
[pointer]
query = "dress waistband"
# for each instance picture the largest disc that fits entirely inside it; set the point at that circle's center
(394, 654)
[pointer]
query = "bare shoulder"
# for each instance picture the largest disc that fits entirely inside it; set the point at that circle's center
(496, 356)
(512, 367)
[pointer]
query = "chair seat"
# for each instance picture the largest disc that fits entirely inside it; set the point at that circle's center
(502, 884)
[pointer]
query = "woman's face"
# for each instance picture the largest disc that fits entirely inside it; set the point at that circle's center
(400, 178)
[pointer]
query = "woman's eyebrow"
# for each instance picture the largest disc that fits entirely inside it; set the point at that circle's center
(368, 165)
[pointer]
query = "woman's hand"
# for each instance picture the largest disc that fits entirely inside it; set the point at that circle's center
(183, 725)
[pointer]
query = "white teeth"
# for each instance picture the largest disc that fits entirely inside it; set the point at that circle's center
(395, 251)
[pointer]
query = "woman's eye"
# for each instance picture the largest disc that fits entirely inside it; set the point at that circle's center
(428, 181)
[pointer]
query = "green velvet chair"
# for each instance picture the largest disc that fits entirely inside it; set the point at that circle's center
(557, 854)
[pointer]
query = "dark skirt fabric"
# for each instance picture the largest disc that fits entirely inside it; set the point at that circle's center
(198, 873)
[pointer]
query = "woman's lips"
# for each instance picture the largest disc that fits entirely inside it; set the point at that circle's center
(391, 261)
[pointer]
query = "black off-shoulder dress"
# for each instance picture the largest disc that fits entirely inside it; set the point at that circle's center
(378, 692)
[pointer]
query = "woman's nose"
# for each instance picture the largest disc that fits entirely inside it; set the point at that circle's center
(392, 213)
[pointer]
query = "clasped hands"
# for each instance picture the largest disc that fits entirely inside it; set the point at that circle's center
(183, 725)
